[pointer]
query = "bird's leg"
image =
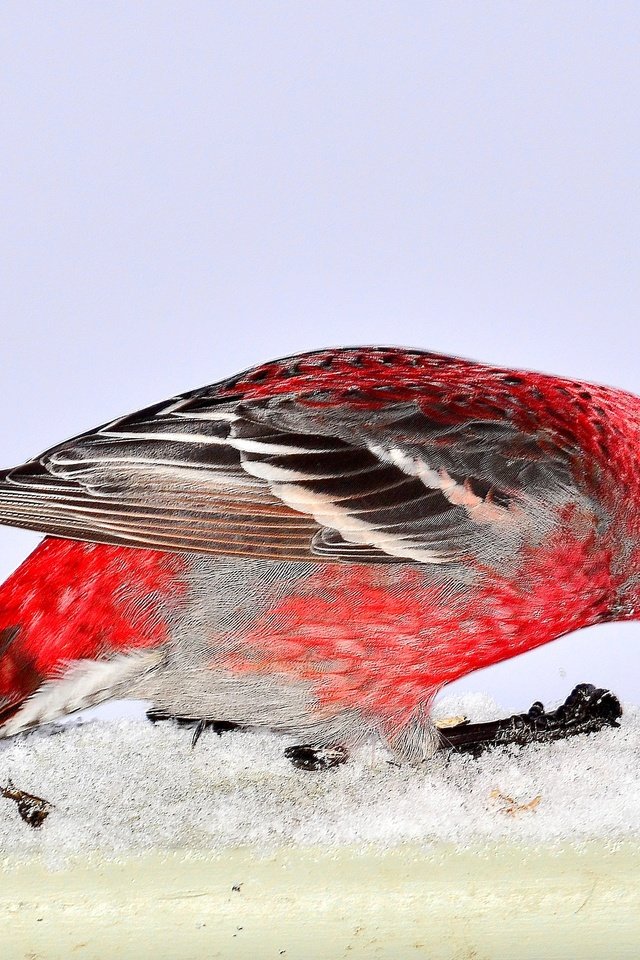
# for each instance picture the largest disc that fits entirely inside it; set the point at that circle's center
(586, 710)
(303, 757)
(316, 758)
(218, 726)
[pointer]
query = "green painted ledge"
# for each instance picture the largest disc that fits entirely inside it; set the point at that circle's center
(496, 903)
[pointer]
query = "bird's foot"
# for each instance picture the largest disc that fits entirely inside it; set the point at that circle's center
(586, 710)
(218, 726)
(316, 758)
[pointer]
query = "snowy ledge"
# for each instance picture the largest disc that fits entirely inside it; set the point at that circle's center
(154, 850)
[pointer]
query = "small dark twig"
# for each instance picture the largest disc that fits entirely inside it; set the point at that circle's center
(33, 810)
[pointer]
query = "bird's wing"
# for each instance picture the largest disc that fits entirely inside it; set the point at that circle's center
(278, 477)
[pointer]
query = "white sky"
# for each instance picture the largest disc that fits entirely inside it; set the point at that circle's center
(188, 188)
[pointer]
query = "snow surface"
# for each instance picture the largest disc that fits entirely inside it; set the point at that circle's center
(124, 786)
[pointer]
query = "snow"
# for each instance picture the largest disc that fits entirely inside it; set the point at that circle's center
(127, 786)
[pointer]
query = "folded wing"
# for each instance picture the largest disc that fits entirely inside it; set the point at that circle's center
(283, 477)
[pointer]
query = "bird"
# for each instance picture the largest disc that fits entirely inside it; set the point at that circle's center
(320, 544)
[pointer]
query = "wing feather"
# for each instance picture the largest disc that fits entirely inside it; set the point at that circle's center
(278, 477)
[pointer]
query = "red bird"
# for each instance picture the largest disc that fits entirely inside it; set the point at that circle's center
(319, 544)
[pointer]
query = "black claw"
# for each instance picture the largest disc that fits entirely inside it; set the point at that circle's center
(316, 758)
(217, 726)
(197, 733)
(587, 709)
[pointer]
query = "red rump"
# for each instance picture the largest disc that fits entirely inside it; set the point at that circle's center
(71, 600)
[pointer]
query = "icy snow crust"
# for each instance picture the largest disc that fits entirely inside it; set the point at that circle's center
(129, 786)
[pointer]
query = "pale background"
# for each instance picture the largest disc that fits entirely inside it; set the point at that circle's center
(189, 188)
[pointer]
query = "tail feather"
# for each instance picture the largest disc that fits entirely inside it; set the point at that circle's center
(83, 684)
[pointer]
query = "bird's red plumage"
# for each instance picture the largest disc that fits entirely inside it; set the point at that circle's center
(507, 513)
(600, 422)
(378, 639)
(70, 601)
